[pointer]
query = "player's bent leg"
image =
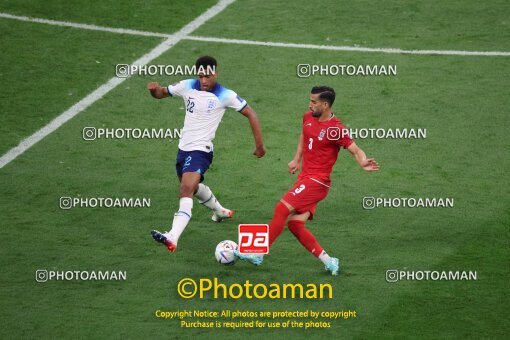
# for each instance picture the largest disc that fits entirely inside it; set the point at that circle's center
(281, 212)
(297, 227)
(189, 182)
(206, 197)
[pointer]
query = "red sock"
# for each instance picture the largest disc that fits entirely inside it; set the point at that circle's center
(278, 222)
(305, 237)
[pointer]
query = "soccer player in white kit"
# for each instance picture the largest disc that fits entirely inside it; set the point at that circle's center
(205, 101)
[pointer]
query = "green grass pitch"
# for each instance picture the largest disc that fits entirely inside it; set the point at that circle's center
(462, 101)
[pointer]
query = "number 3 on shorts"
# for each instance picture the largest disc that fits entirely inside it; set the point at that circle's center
(298, 190)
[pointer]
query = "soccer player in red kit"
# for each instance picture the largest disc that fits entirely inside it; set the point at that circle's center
(322, 137)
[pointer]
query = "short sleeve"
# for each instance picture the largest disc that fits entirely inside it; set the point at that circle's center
(179, 89)
(345, 139)
(235, 102)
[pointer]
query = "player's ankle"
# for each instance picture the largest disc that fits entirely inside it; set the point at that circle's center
(324, 257)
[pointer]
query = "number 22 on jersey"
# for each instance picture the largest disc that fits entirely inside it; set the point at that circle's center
(190, 105)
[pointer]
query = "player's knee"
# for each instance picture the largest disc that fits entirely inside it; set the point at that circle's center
(186, 190)
(287, 205)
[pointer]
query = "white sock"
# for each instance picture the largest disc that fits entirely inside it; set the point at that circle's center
(324, 257)
(181, 219)
(207, 198)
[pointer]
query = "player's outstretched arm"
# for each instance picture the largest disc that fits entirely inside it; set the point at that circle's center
(248, 112)
(368, 164)
(157, 91)
(296, 162)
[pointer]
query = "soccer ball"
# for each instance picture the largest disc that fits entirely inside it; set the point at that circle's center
(225, 252)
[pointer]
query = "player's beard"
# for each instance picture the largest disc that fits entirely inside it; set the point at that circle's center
(316, 113)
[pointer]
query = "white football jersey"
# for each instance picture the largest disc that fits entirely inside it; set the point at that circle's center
(204, 111)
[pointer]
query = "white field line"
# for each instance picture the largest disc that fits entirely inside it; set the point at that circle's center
(257, 43)
(111, 84)
(350, 48)
(83, 26)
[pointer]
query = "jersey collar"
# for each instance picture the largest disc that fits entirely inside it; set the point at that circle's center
(196, 85)
(327, 120)
(216, 88)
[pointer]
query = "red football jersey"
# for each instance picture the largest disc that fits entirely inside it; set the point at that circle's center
(321, 144)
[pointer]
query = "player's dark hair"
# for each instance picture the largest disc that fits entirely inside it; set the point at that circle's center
(326, 93)
(206, 61)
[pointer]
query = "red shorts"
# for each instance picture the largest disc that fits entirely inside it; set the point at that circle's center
(305, 194)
